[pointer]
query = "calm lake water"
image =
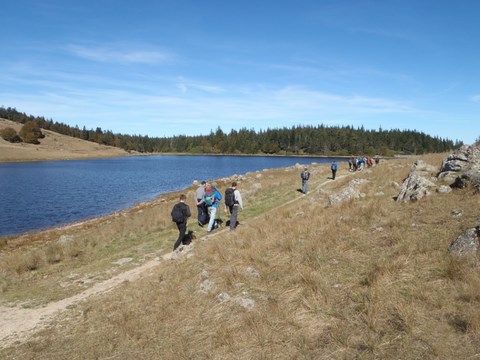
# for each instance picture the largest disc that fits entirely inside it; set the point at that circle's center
(39, 195)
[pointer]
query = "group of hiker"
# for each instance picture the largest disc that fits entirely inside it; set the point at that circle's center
(358, 164)
(207, 199)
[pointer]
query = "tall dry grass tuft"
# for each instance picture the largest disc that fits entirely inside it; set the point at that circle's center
(31, 260)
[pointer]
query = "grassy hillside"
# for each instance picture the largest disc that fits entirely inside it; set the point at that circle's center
(53, 147)
(299, 279)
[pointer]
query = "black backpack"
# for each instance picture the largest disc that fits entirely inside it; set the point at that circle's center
(177, 214)
(230, 197)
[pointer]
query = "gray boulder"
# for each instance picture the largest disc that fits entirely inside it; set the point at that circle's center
(467, 243)
(470, 178)
(465, 164)
(416, 186)
(352, 191)
(462, 160)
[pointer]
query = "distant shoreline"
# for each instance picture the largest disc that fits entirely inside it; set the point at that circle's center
(58, 147)
(96, 156)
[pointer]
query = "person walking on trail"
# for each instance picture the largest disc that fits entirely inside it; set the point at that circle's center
(334, 168)
(211, 199)
(202, 216)
(233, 201)
(180, 213)
(305, 175)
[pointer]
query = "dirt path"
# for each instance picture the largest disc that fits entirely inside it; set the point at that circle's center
(19, 324)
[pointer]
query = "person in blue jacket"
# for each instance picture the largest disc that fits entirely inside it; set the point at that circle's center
(334, 168)
(211, 199)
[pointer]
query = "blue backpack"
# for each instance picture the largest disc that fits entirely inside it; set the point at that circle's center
(334, 166)
(209, 199)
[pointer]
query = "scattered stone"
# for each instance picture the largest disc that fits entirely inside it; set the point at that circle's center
(224, 297)
(467, 243)
(264, 297)
(457, 213)
(444, 189)
(207, 286)
(205, 275)
(252, 272)
(348, 193)
(245, 302)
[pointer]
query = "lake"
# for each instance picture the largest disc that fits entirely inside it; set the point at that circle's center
(40, 195)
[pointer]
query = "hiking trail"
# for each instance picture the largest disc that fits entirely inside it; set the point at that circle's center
(18, 325)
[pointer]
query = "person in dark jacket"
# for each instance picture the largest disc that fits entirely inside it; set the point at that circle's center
(180, 214)
(233, 208)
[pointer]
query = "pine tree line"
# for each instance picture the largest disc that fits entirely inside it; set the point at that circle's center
(297, 140)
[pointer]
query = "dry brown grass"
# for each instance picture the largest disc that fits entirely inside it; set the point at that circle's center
(368, 279)
(53, 147)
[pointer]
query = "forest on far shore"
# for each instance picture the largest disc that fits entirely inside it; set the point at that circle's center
(297, 140)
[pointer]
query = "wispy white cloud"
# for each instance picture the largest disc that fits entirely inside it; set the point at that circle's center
(199, 112)
(185, 85)
(476, 98)
(111, 55)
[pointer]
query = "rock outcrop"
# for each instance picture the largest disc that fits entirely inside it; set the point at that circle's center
(352, 191)
(465, 158)
(464, 167)
(461, 170)
(416, 185)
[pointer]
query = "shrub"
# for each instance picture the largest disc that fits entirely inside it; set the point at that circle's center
(54, 253)
(9, 134)
(30, 261)
(30, 132)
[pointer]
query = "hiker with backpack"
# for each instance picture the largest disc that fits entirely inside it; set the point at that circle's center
(202, 216)
(305, 175)
(180, 213)
(211, 199)
(233, 200)
(334, 168)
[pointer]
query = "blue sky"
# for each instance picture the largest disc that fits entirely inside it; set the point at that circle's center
(163, 68)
